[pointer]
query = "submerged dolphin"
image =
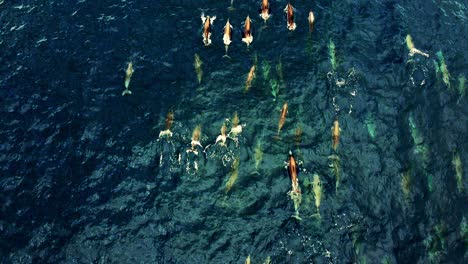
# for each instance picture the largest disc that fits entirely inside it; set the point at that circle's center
(128, 77)
(227, 37)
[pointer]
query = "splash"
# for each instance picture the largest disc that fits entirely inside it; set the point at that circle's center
(236, 128)
(221, 139)
(412, 49)
(192, 152)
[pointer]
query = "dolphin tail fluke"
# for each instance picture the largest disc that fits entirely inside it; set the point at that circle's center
(126, 91)
(226, 54)
(296, 215)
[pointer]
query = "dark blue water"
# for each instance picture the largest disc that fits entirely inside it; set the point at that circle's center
(85, 177)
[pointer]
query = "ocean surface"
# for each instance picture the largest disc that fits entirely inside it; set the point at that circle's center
(86, 178)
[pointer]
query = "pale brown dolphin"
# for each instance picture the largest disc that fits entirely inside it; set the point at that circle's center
(128, 77)
(335, 134)
(311, 19)
(250, 78)
(282, 119)
(227, 37)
